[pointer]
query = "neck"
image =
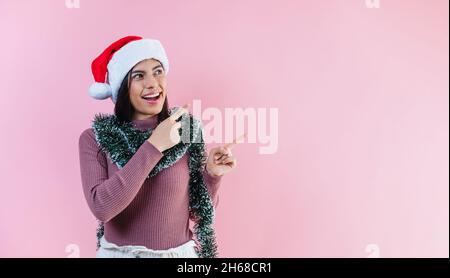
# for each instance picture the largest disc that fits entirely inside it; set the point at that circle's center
(141, 117)
(144, 122)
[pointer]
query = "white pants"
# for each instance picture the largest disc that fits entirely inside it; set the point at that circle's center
(111, 250)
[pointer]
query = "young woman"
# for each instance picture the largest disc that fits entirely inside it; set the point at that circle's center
(144, 169)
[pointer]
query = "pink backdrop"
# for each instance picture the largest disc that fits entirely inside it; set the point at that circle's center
(363, 96)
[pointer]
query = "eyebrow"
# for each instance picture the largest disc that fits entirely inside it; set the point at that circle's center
(143, 71)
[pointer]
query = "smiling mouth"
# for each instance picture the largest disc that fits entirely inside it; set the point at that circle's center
(152, 97)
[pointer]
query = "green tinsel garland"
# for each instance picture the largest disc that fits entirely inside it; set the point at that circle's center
(121, 140)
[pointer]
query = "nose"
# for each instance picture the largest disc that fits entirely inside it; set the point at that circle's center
(150, 82)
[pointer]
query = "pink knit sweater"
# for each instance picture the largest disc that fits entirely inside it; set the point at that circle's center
(138, 211)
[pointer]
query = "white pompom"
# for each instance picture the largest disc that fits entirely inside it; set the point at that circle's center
(100, 90)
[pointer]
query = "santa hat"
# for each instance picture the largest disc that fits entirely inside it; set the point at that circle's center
(110, 67)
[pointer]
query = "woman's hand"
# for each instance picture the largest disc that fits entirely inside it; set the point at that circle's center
(166, 134)
(220, 160)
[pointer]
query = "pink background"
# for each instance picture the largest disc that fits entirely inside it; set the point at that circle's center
(363, 99)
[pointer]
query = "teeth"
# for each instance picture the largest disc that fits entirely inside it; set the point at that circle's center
(150, 96)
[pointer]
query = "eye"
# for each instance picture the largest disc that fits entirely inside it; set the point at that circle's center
(138, 76)
(158, 72)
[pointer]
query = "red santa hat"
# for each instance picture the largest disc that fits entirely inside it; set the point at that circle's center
(111, 66)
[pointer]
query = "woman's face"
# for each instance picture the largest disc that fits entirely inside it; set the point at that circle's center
(147, 88)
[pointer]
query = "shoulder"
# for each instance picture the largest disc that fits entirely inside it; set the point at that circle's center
(87, 137)
(87, 133)
(100, 120)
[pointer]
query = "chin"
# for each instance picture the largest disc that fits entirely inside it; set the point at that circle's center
(152, 111)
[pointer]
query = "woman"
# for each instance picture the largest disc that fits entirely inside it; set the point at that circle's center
(144, 170)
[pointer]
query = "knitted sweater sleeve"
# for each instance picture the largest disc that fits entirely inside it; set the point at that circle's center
(212, 184)
(108, 196)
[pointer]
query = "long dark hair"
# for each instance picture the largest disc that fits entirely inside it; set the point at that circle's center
(124, 109)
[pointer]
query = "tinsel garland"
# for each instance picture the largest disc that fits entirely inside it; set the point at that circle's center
(120, 140)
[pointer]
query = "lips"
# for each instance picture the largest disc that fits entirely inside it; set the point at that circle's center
(152, 97)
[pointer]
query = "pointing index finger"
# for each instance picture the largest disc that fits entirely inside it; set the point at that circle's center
(235, 141)
(232, 144)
